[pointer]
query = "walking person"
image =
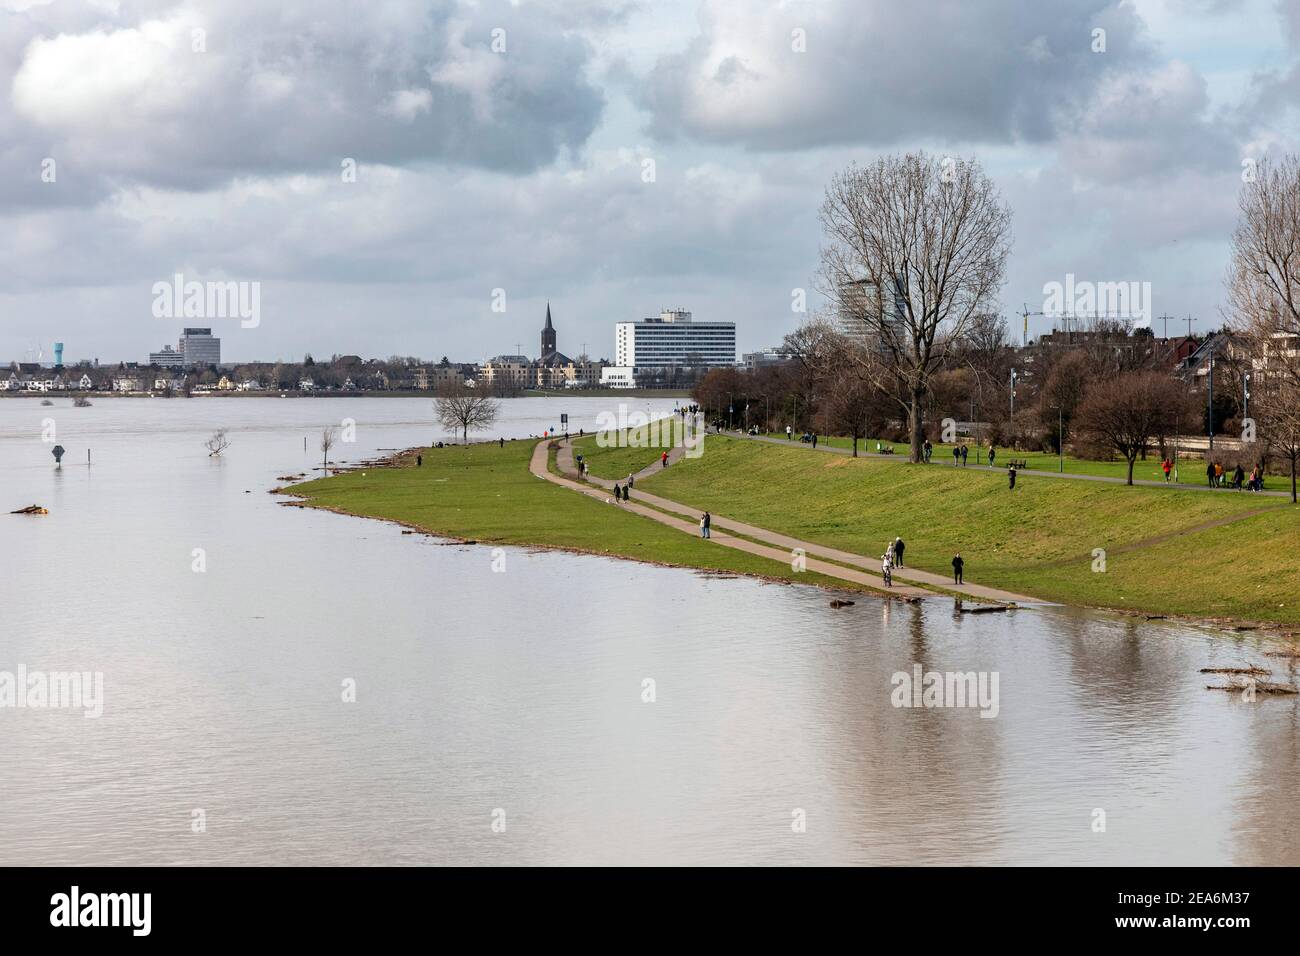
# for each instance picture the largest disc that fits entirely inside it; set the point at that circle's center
(1218, 474)
(1209, 472)
(631, 480)
(956, 455)
(705, 523)
(898, 551)
(928, 450)
(1011, 477)
(887, 568)
(625, 487)
(663, 460)
(1238, 477)
(1167, 466)
(789, 433)
(618, 493)
(814, 441)
(993, 452)
(964, 452)
(419, 461)
(957, 565)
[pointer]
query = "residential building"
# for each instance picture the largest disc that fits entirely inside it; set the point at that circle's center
(674, 339)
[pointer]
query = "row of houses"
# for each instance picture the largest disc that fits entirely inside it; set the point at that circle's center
(32, 377)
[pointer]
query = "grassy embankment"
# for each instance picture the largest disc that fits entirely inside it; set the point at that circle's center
(486, 494)
(1191, 471)
(1039, 539)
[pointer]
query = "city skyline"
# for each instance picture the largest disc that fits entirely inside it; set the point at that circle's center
(656, 155)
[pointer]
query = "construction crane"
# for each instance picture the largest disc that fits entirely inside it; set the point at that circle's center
(1024, 335)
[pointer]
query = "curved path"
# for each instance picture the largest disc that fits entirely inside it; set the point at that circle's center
(771, 540)
(538, 466)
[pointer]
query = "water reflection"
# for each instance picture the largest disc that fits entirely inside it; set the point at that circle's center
(223, 690)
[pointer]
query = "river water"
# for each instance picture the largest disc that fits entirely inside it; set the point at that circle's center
(503, 718)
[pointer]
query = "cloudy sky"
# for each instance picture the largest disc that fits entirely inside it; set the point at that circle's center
(510, 145)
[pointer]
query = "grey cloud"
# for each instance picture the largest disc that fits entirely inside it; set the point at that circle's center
(879, 73)
(288, 87)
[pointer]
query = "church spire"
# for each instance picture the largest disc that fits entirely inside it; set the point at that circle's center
(548, 334)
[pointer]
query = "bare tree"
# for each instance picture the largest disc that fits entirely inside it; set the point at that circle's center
(327, 440)
(850, 404)
(915, 248)
(1130, 410)
(217, 443)
(1264, 296)
(464, 409)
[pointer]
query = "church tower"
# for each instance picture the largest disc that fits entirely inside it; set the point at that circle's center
(548, 334)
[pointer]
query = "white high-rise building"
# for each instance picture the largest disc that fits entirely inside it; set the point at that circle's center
(868, 315)
(674, 339)
(200, 347)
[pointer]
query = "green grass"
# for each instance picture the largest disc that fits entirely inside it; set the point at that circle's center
(1191, 470)
(486, 494)
(1037, 539)
(615, 455)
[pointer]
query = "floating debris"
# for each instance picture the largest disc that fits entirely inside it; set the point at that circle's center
(1255, 671)
(31, 510)
(988, 609)
(1257, 686)
(839, 603)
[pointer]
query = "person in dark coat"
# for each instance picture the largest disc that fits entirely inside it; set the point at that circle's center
(1238, 477)
(993, 453)
(956, 455)
(963, 456)
(618, 493)
(625, 488)
(419, 461)
(957, 565)
(1209, 472)
(898, 552)
(1011, 477)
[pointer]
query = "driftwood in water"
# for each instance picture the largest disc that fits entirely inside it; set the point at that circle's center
(1253, 671)
(1258, 686)
(839, 603)
(987, 609)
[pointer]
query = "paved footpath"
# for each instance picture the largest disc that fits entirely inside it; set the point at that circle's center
(564, 460)
(538, 466)
(1021, 473)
